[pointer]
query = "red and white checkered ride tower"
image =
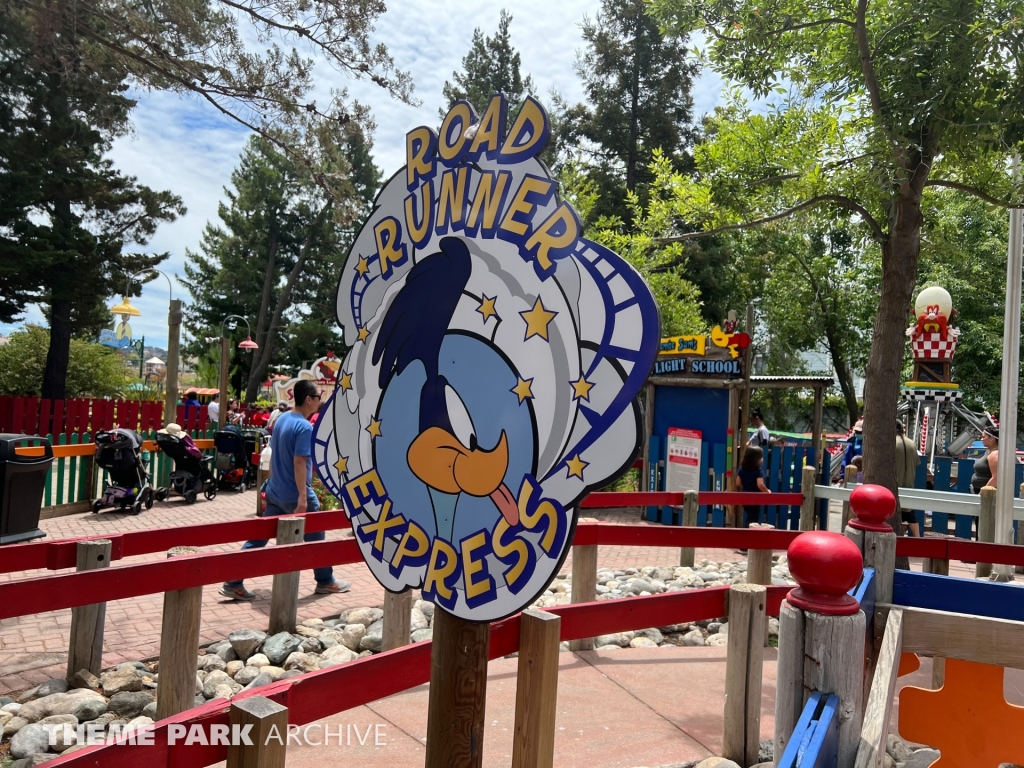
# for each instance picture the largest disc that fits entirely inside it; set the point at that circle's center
(933, 343)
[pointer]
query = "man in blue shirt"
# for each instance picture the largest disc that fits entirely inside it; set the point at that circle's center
(290, 490)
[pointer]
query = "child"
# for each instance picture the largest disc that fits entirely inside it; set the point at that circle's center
(750, 479)
(858, 462)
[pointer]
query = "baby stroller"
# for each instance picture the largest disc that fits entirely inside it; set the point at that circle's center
(119, 452)
(254, 440)
(234, 468)
(191, 475)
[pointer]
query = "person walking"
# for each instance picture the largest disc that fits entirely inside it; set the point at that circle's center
(290, 489)
(907, 460)
(750, 479)
(854, 444)
(985, 467)
(761, 437)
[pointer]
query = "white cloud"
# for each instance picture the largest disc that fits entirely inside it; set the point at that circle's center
(184, 146)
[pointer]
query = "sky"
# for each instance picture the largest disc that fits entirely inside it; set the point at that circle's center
(181, 145)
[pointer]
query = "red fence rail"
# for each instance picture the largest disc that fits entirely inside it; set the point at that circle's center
(317, 695)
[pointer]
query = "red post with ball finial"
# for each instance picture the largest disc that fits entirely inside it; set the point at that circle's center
(821, 638)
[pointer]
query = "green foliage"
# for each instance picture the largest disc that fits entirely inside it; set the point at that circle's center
(662, 266)
(93, 370)
(965, 252)
(275, 257)
(67, 217)
(637, 80)
(490, 66)
(877, 102)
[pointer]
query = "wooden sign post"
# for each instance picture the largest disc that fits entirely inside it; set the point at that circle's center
(458, 692)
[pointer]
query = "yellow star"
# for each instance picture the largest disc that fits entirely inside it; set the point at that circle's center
(363, 265)
(581, 389)
(341, 465)
(486, 307)
(576, 465)
(345, 382)
(374, 428)
(522, 388)
(363, 334)
(537, 320)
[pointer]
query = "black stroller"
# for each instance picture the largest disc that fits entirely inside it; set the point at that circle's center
(191, 475)
(254, 439)
(119, 452)
(234, 468)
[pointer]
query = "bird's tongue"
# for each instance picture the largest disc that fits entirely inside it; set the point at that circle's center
(506, 504)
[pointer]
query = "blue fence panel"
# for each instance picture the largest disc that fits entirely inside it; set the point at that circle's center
(815, 740)
(947, 593)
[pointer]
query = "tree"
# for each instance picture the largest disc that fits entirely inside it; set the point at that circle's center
(93, 370)
(66, 215)
(490, 66)
(242, 57)
(964, 251)
(274, 258)
(882, 102)
(638, 81)
(809, 279)
(662, 266)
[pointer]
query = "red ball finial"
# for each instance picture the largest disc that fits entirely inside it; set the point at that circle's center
(826, 566)
(872, 505)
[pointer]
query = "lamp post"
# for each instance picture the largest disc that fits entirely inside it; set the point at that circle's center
(247, 345)
(173, 340)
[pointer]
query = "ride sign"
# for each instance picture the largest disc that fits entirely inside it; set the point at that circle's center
(494, 366)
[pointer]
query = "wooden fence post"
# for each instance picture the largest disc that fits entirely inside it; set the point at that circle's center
(458, 692)
(691, 506)
(397, 619)
(759, 571)
(269, 733)
(744, 663)
(940, 567)
(986, 528)
(284, 597)
(179, 646)
(850, 479)
(85, 649)
(826, 566)
(533, 741)
(584, 584)
(807, 515)
(789, 692)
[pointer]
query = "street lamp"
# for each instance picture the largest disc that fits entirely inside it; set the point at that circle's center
(125, 309)
(248, 345)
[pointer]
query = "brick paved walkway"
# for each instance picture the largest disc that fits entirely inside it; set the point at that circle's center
(34, 648)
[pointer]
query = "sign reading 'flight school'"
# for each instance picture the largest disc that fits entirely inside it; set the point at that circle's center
(495, 360)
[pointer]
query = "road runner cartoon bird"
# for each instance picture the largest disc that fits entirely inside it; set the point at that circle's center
(492, 375)
(447, 458)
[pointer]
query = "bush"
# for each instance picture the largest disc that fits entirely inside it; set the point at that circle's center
(93, 370)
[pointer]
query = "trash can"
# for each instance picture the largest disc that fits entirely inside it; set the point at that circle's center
(22, 480)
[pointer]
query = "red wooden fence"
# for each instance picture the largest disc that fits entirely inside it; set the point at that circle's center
(35, 416)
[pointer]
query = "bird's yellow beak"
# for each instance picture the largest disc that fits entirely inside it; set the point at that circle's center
(438, 459)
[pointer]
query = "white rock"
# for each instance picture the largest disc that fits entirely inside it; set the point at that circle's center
(258, 660)
(339, 654)
(642, 642)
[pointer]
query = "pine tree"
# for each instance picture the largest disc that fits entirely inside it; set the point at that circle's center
(66, 215)
(638, 81)
(491, 66)
(275, 255)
